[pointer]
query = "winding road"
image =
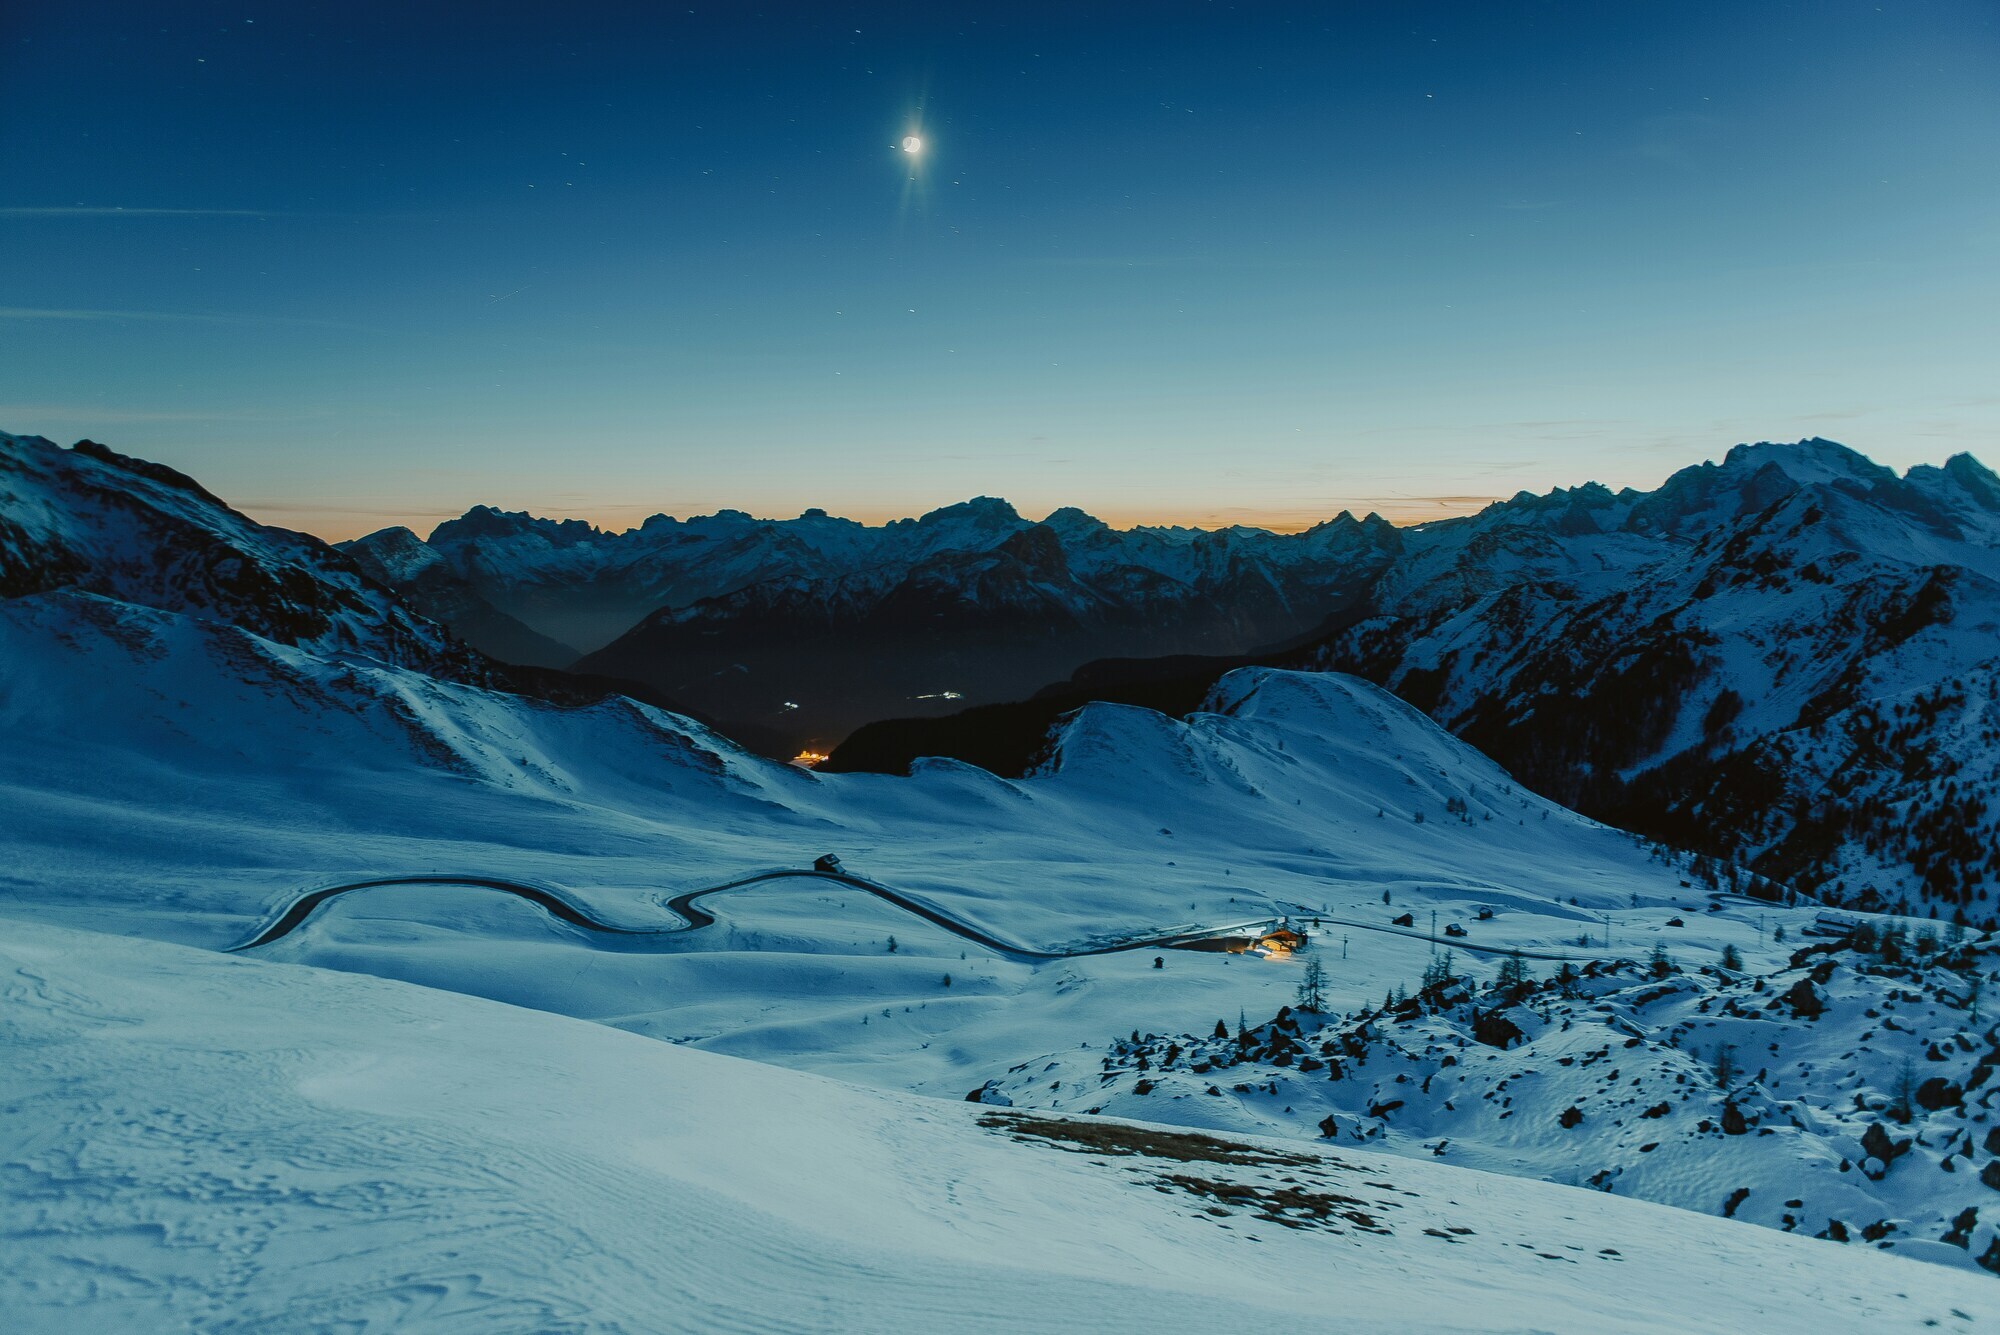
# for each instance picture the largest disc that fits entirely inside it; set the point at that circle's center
(686, 906)
(694, 918)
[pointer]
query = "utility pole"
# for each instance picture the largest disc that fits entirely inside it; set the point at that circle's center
(1343, 945)
(1434, 925)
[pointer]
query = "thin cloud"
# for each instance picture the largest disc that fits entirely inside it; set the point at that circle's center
(1460, 504)
(77, 412)
(179, 317)
(277, 507)
(113, 211)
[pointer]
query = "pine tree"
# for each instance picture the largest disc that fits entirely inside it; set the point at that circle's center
(1903, 1105)
(1659, 961)
(1732, 958)
(1725, 1067)
(1312, 987)
(1437, 976)
(1221, 1029)
(1512, 979)
(892, 945)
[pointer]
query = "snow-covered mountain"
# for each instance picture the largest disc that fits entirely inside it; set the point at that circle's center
(398, 559)
(1788, 658)
(196, 1139)
(90, 519)
(816, 624)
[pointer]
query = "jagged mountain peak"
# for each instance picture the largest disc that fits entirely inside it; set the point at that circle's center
(1039, 549)
(396, 554)
(986, 511)
(1961, 484)
(146, 468)
(1814, 459)
(1072, 524)
(485, 521)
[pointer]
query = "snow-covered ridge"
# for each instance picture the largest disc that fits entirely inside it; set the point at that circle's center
(88, 518)
(1787, 658)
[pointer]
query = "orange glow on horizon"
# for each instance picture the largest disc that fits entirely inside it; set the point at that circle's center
(336, 523)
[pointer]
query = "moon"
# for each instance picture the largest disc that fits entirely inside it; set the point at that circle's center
(912, 145)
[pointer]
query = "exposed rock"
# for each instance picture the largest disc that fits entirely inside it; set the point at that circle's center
(1495, 1030)
(1937, 1092)
(1878, 1144)
(1807, 1001)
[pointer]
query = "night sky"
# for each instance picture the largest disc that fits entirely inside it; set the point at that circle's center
(363, 264)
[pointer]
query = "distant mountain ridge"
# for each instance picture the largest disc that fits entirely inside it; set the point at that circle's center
(818, 624)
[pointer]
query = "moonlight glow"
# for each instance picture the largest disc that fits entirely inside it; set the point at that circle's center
(912, 145)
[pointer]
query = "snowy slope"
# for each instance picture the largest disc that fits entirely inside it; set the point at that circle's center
(223, 775)
(1786, 658)
(202, 1143)
(234, 773)
(175, 776)
(1842, 1094)
(1293, 789)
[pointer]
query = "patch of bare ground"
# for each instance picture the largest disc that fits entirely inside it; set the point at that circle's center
(1149, 1142)
(1294, 1205)
(1288, 1201)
